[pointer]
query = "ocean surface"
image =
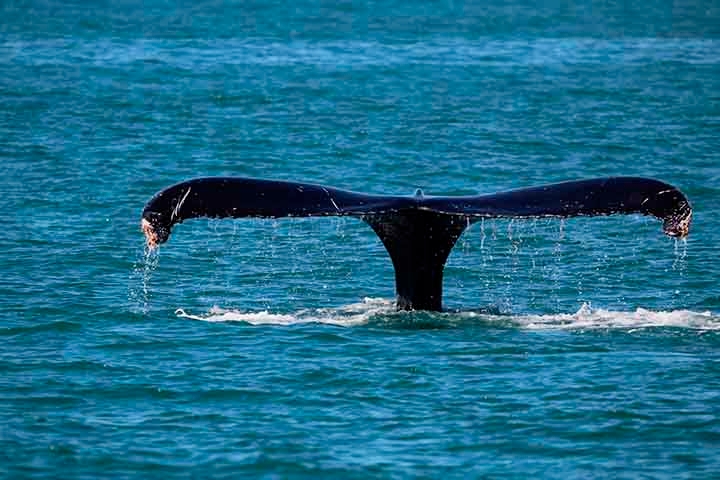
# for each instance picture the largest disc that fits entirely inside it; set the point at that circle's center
(582, 348)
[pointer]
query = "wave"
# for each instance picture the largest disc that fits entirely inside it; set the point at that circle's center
(341, 54)
(378, 311)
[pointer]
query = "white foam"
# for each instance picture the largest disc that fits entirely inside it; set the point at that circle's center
(589, 318)
(218, 314)
(383, 311)
(346, 316)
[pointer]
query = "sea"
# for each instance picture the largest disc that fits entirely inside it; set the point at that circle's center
(271, 348)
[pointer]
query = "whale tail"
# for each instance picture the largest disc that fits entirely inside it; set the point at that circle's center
(419, 243)
(418, 232)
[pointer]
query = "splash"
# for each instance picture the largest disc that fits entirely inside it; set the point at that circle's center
(378, 311)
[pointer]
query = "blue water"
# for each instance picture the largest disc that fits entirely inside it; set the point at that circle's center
(270, 348)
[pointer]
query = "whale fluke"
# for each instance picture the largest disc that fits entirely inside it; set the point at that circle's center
(418, 231)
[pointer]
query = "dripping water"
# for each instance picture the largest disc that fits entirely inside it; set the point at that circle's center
(139, 286)
(465, 246)
(482, 239)
(558, 260)
(680, 251)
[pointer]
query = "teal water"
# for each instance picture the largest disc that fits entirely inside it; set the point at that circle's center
(582, 348)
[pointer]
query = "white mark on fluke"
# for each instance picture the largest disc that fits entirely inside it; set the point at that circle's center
(334, 204)
(180, 204)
